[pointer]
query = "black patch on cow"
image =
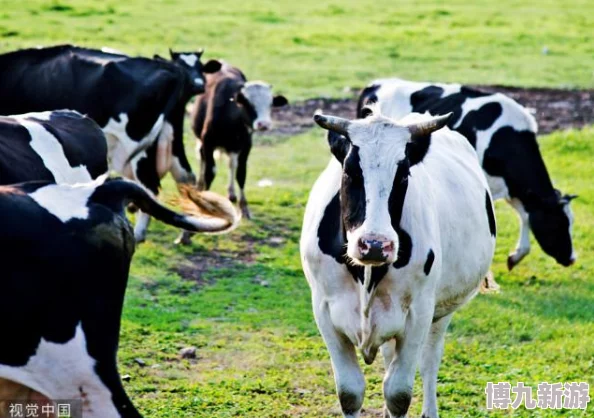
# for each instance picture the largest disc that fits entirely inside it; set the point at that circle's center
(404, 248)
(352, 191)
(479, 120)
(367, 96)
(429, 262)
(490, 214)
(417, 149)
(396, 206)
(430, 100)
(147, 170)
(332, 242)
(339, 145)
(248, 108)
(399, 403)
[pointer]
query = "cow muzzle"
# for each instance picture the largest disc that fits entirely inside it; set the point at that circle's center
(375, 250)
(262, 125)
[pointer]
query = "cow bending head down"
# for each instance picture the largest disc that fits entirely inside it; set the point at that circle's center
(256, 100)
(551, 224)
(376, 155)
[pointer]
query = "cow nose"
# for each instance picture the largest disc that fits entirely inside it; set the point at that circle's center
(375, 249)
(262, 126)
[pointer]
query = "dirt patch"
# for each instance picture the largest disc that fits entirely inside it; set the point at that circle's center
(202, 262)
(554, 109)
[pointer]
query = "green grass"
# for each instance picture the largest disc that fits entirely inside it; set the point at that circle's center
(259, 352)
(308, 48)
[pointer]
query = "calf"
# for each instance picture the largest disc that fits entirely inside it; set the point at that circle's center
(66, 252)
(398, 233)
(138, 103)
(60, 146)
(504, 135)
(224, 117)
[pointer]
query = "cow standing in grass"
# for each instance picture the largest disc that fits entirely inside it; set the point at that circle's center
(224, 117)
(504, 135)
(66, 253)
(398, 234)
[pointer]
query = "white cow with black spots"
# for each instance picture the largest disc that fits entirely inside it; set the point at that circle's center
(503, 133)
(398, 234)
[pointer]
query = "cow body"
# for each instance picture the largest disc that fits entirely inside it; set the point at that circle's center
(398, 233)
(138, 102)
(224, 117)
(503, 134)
(66, 252)
(59, 146)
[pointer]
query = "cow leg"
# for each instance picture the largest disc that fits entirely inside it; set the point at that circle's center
(233, 160)
(241, 175)
(523, 245)
(431, 359)
(350, 383)
(388, 353)
(400, 376)
(208, 167)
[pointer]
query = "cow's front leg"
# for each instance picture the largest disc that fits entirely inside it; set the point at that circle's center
(523, 245)
(241, 175)
(430, 361)
(400, 376)
(350, 383)
(389, 354)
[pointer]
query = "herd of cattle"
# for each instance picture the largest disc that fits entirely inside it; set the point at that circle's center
(398, 233)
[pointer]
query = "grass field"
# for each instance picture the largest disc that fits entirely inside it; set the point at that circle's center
(259, 352)
(309, 48)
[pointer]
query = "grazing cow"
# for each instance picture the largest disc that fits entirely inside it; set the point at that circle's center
(66, 252)
(504, 136)
(398, 233)
(224, 117)
(138, 102)
(60, 146)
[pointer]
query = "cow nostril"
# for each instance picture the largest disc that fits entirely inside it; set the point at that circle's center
(388, 246)
(363, 246)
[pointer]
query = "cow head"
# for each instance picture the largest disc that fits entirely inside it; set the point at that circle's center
(551, 224)
(376, 154)
(256, 98)
(190, 62)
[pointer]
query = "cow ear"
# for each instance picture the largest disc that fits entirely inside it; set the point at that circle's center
(212, 66)
(200, 52)
(567, 198)
(339, 145)
(172, 54)
(279, 101)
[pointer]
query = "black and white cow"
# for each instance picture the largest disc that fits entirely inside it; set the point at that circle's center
(66, 252)
(138, 102)
(224, 117)
(61, 146)
(504, 135)
(398, 233)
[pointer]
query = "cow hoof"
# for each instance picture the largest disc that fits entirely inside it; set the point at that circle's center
(132, 208)
(200, 185)
(232, 198)
(140, 238)
(245, 212)
(183, 239)
(511, 262)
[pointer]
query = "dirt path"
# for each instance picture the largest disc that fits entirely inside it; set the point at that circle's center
(554, 109)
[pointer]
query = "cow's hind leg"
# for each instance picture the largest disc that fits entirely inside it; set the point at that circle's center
(430, 361)
(233, 160)
(523, 245)
(350, 383)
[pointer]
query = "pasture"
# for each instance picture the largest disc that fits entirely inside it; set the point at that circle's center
(241, 299)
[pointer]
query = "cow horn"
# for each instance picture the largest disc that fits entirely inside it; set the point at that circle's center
(332, 123)
(570, 197)
(425, 128)
(200, 51)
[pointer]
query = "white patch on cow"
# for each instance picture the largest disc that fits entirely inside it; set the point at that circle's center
(67, 201)
(39, 115)
(120, 146)
(52, 153)
(109, 50)
(58, 371)
(189, 59)
(259, 94)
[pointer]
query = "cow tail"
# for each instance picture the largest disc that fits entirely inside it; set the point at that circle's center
(205, 211)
